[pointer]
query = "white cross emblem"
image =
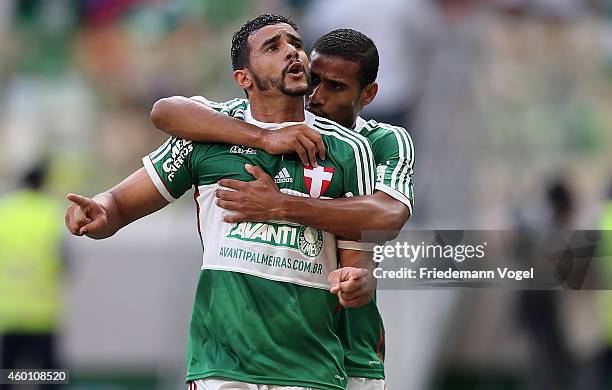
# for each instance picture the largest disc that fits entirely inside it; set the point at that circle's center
(317, 179)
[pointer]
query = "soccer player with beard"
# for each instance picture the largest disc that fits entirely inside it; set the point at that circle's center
(344, 65)
(262, 316)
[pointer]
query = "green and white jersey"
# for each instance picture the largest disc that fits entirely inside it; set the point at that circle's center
(394, 158)
(262, 311)
(361, 330)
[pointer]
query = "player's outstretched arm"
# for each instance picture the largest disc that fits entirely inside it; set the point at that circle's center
(260, 200)
(106, 213)
(189, 119)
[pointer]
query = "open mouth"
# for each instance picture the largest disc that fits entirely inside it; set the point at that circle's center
(296, 69)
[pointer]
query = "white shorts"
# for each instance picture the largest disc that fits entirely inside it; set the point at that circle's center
(366, 384)
(228, 384)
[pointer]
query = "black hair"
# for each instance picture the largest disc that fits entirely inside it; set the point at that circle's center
(351, 45)
(240, 45)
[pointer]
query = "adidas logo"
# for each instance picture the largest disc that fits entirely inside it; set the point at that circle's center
(283, 177)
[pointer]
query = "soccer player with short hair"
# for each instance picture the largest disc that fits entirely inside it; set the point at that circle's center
(344, 65)
(262, 316)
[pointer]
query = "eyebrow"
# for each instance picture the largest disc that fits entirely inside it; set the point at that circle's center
(295, 38)
(336, 82)
(271, 40)
(328, 80)
(277, 37)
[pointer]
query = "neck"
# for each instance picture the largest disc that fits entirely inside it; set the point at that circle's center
(277, 109)
(349, 124)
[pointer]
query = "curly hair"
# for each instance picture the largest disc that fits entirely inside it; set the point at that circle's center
(240, 46)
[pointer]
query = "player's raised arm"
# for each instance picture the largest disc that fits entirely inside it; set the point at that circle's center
(204, 121)
(106, 213)
(187, 118)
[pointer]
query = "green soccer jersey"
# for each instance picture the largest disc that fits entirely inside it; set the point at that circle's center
(262, 311)
(361, 329)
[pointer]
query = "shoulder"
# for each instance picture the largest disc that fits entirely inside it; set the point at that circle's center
(177, 148)
(234, 107)
(387, 136)
(339, 133)
(376, 129)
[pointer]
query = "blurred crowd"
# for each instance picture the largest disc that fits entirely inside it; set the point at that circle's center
(499, 95)
(508, 101)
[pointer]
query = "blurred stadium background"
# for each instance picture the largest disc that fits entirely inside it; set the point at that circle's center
(510, 106)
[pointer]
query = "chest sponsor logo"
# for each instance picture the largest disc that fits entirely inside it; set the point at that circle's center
(307, 240)
(283, 176)
(242, 150)
(318, 179)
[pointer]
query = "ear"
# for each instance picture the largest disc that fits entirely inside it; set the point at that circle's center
(243, 78)
(368, 94)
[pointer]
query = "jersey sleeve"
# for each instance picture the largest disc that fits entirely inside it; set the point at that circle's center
(394, 154)
(234, 108)
(169, 167)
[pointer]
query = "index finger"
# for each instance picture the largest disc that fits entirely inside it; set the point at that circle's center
(334, 279)
(316, 139)
(79, 200)
(233, 184)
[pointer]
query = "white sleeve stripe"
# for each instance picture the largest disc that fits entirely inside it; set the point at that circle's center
(162, 154)
(396, 175)
(404, 175)
(395, 194)
(362, 143)
(156, 179)
(360, 177)
(356, 245)
(400, 148)
(161, 150)
(408, 168)
(403, 179)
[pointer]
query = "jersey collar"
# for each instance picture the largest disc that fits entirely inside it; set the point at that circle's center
(360, 123)
(248, 117)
